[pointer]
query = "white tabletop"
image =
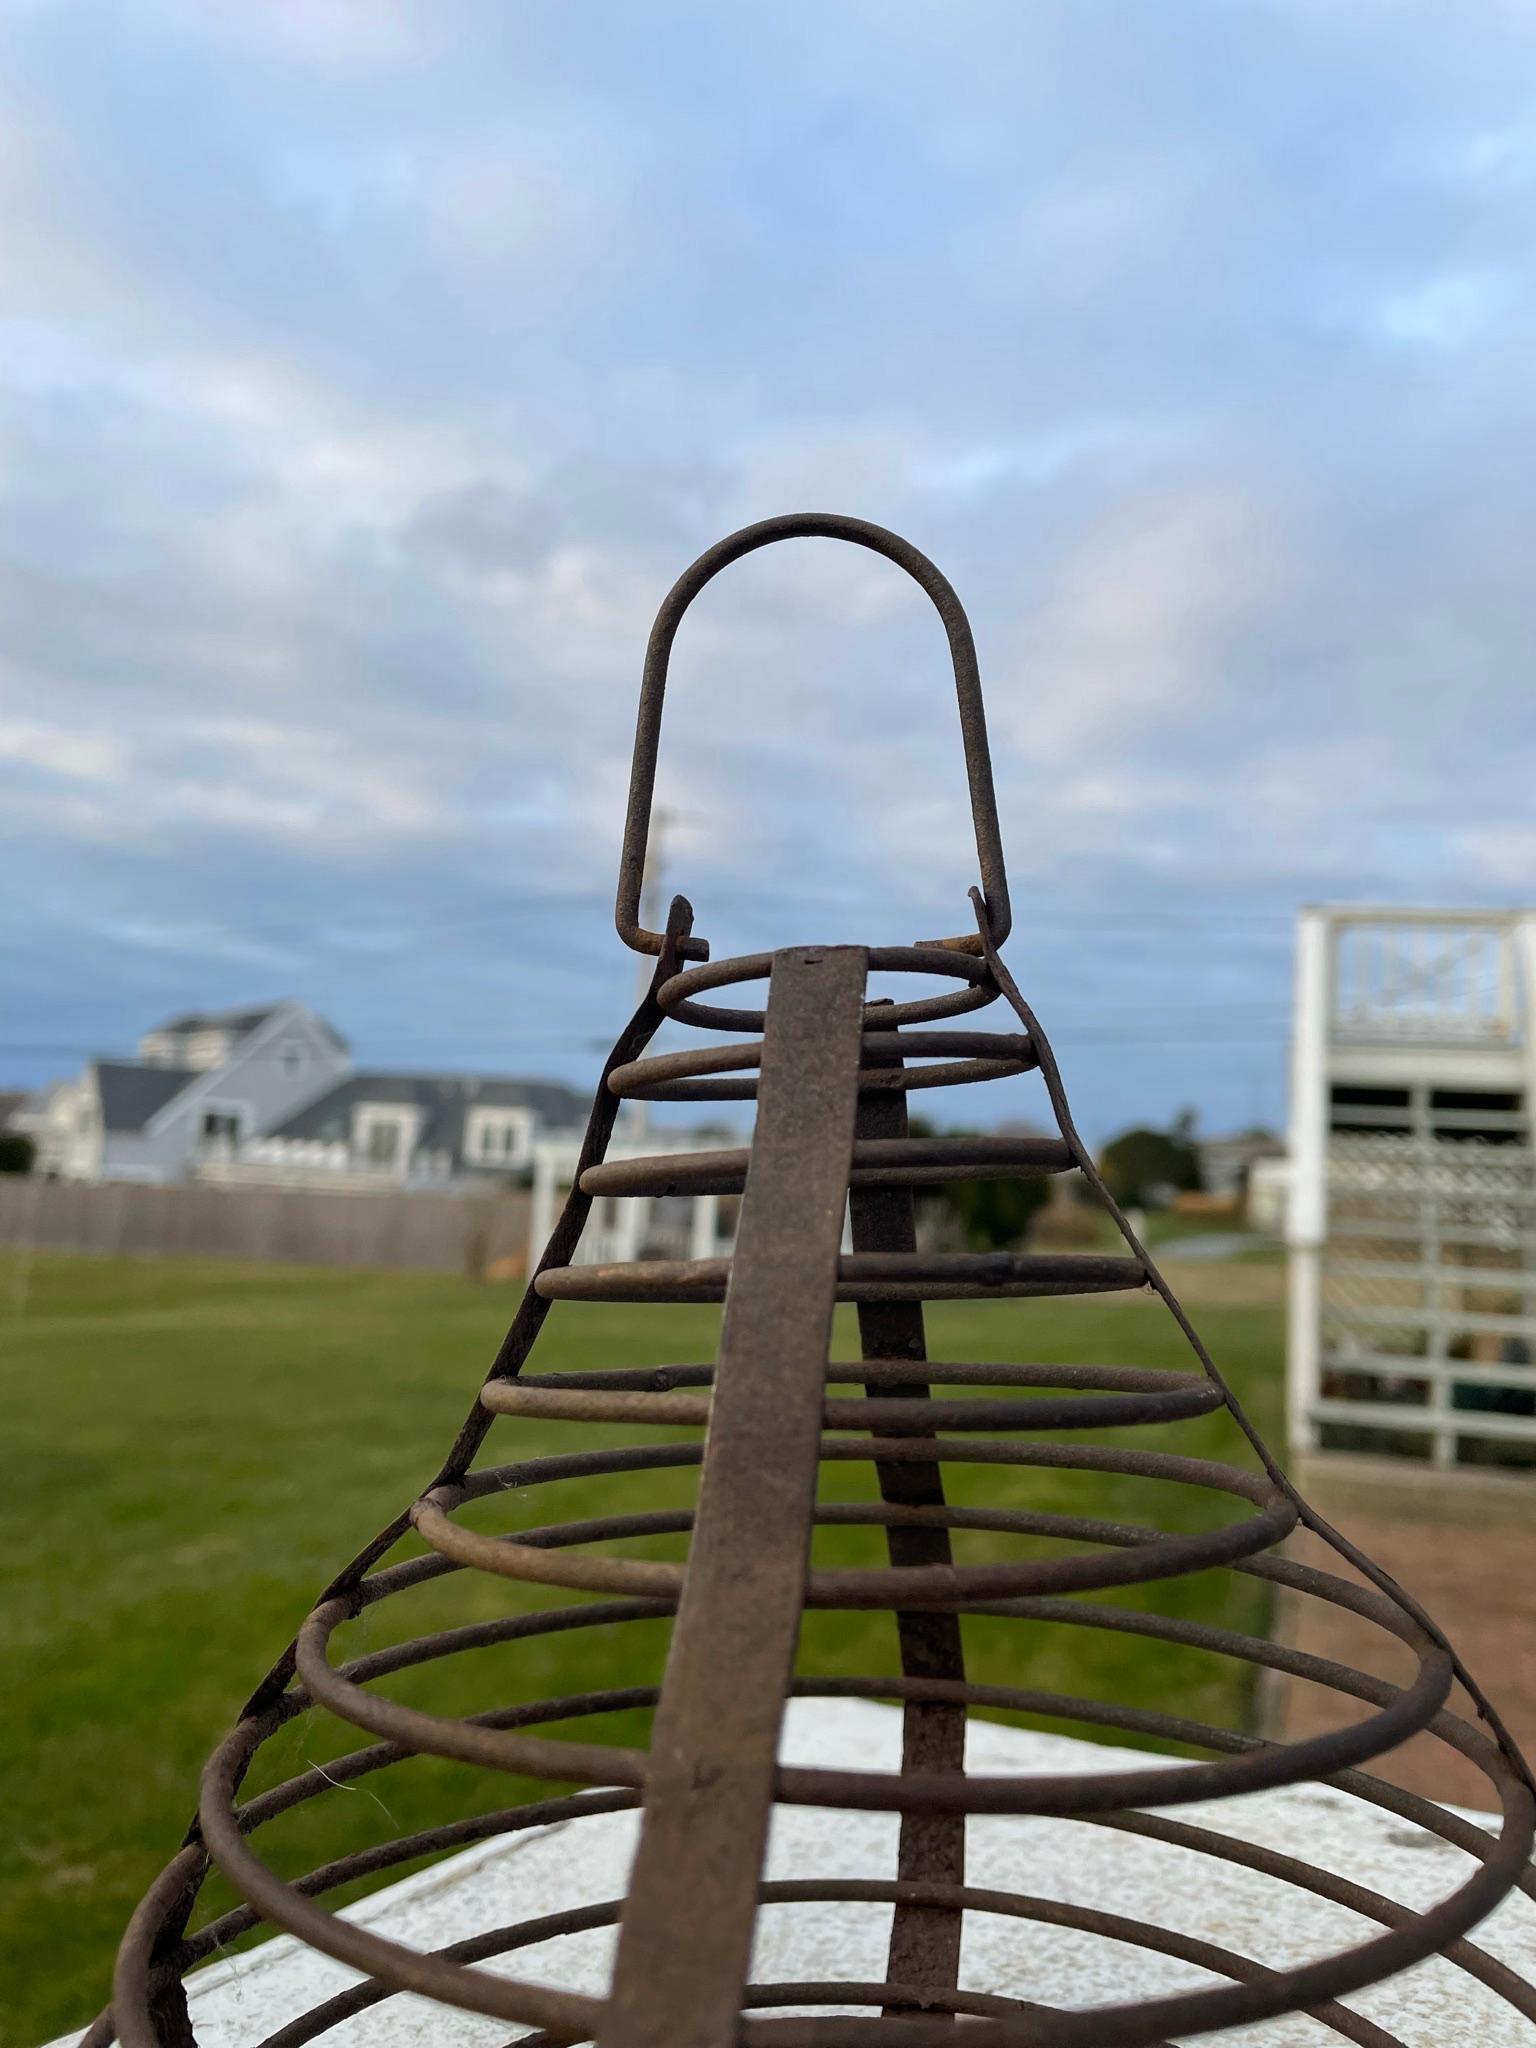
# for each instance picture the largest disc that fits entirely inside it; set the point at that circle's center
(239, 2000)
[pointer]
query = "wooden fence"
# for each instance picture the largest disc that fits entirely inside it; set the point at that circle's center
(433, 1233)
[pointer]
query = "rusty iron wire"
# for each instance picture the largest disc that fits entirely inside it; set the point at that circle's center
(830, 1067)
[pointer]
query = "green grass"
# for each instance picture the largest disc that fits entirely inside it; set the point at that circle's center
(193, 1448)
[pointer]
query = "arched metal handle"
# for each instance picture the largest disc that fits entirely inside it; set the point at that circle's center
(653, 684)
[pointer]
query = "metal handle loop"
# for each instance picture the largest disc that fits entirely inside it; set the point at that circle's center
(653, 684)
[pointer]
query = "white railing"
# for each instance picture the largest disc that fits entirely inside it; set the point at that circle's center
(1452, 976)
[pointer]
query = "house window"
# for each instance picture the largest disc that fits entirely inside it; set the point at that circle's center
(384, 1137)
(292, 1058)
(498, 1138)
(381, 1143)
(220, 1126)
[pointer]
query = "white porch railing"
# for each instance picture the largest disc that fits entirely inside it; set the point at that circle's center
(1452, 976)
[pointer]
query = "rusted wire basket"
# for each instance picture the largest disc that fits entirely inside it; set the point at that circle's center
(753, 1456)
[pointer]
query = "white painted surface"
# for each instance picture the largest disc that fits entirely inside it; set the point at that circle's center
(1306, 1189)
(1523, 976)
(1306, 1145)
(238, 2001)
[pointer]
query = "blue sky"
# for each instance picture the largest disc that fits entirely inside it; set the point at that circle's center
(368, 371)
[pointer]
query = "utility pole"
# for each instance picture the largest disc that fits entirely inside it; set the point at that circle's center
(652, 896)
(651, 916)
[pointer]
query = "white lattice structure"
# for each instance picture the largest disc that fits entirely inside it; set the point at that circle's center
(1412, 1212)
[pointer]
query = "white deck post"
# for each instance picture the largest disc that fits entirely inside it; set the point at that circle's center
(703, 1226)
(1307, 1207)
(1523, 948)
(541, 1208)
(1522, 974)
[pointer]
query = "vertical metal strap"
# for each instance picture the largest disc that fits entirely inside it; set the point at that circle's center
(925, 1940)
(685, 1939)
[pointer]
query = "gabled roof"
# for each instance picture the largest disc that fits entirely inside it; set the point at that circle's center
(131, 1093)
(443, 1100)
(238, 1021)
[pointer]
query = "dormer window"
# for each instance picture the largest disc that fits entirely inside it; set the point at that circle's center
(219, 1131)
(384, 1136)
(382, 1139)
(501, 1139)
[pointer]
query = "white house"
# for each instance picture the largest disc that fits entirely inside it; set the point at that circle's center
(201, 1085)
(268, 1096)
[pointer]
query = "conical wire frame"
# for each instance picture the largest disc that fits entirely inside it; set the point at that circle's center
(770, 1535)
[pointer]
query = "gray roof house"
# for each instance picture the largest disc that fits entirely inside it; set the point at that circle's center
(200, 1086)
(266, 1095)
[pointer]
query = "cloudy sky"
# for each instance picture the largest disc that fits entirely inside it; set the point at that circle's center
(369, 370)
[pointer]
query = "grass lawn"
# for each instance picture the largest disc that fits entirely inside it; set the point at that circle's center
(193, 1448)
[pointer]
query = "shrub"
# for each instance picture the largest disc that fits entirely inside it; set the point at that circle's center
(1144, 1169)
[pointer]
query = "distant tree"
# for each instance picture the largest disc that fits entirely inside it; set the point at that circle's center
(991, 1215)
(17, 1152)
(1141, 1166)
(995, 1215)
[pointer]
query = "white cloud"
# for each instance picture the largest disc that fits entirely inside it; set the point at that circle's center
(344, 36)
(307, 780)
(1118, 793)
(1450, 311)
(62, 750)
(1504, 855)
(240, 809)
(583, 611)
(1137, 624)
